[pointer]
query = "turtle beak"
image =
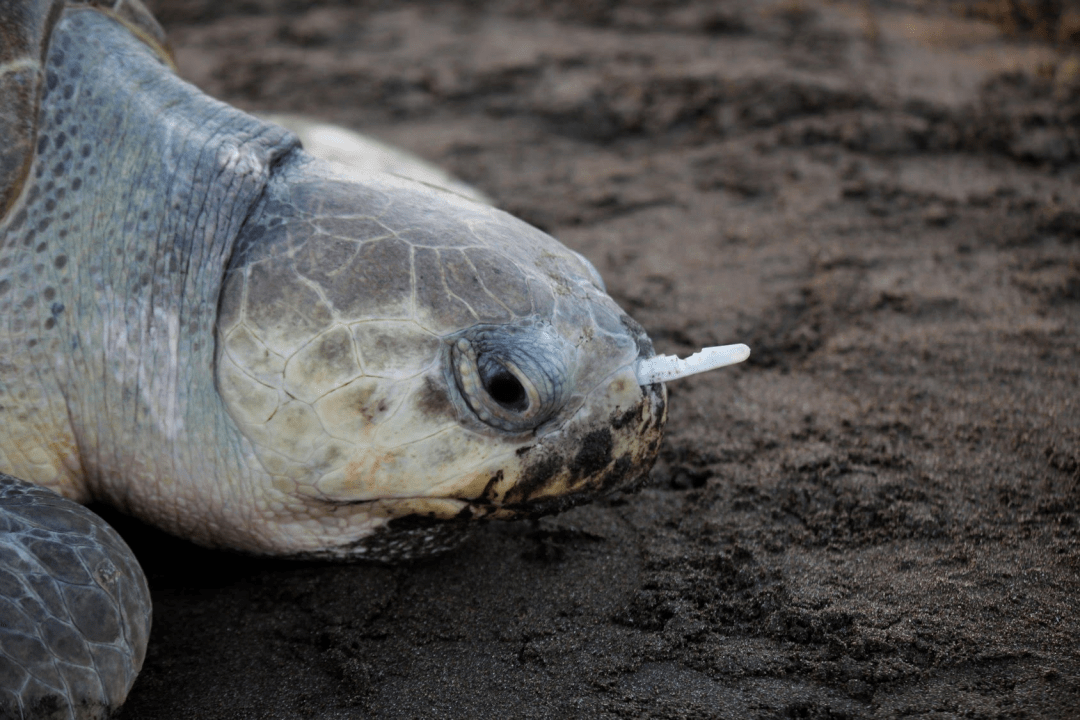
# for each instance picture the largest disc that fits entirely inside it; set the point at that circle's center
(611, 445)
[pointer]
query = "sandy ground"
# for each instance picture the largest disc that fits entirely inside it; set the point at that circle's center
(876, 516)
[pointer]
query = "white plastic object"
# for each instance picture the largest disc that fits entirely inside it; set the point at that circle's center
(662, 368)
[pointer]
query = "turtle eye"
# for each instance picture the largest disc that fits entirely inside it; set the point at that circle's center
(510, 379)
(507, 390)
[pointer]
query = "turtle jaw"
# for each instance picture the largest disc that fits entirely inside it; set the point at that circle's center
(597, 429)
(593, 454)
(609, 444)
(588, 459)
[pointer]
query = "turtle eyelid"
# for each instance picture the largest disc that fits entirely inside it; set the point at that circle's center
(511, 378)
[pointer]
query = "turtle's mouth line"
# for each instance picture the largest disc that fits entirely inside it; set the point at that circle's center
(592, 455)
(443, 508)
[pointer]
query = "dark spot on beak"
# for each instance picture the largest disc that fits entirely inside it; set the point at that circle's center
(535, 477)
(626, 418)
(617, 476)
(489, 489)
(594, 455)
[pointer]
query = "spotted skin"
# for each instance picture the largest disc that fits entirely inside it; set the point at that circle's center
(208, 328)
(103, 291)
(258, 359)
(25, 31)
(24, 37)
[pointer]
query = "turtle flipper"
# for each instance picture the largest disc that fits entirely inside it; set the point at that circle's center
(74, 608)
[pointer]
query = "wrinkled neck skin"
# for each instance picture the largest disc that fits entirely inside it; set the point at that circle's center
(110, 276)
(205, 327)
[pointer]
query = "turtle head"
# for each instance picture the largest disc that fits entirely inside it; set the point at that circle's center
(399, 358)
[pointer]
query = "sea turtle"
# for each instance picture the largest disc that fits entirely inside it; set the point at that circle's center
(208, 328)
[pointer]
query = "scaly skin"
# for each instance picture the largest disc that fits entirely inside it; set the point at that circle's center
(206, 327)
(109, 282)
(338, 315)
(74, 608)
(326, 401)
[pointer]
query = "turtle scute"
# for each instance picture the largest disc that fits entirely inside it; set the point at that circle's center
(393, 351)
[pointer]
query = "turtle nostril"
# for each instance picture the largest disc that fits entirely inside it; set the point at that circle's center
(508, 391)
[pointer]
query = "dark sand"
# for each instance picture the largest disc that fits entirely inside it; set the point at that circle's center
(876, 516)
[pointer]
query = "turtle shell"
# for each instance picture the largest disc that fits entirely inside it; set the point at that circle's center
(25, 30)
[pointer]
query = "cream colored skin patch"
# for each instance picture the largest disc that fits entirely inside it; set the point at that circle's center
(111, 257)
(39, 450)
(206, 327)
(348, 397)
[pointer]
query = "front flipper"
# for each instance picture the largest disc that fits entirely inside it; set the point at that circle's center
(74, 608)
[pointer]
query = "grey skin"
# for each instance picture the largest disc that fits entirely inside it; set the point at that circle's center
(206, 327)
(74, 608)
